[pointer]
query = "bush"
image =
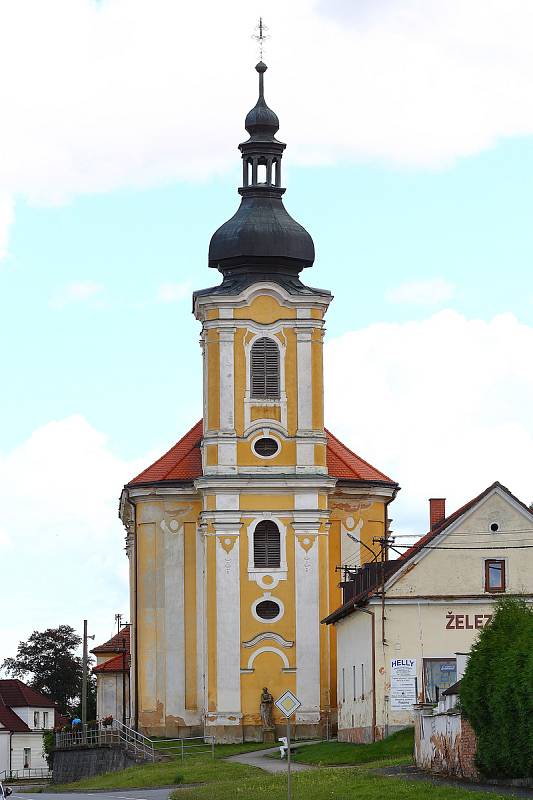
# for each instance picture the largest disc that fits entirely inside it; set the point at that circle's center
(497, 692)
(48, 748)
(178, 778)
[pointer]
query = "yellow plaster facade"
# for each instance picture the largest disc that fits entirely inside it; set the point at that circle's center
(203, 651)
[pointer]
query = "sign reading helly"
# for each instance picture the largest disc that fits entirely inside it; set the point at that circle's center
(288, 703)
(402, 684)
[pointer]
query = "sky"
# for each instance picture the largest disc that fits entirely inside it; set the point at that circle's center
(409, 127)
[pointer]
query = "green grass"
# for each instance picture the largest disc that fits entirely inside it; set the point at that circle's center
(166, 773)
(399, 747)
(324, 784)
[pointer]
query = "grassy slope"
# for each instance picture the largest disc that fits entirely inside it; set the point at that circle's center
(164, 773)
(398, 746)
(325, 784)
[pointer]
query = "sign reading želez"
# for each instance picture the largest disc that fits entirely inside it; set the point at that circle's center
(402, 683)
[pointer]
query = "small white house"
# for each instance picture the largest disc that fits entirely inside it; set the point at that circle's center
(405, 621)
(25, 715)
(112, 672)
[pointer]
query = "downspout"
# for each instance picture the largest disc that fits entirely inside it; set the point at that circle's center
(10, 751)
(373, 623)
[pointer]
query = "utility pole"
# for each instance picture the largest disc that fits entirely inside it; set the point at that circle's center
(84, 677)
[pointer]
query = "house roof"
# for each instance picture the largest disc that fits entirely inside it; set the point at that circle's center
(16, 694)
(183, 462)
(114, 664)
(115, 643)
(359, 599)
(11, 721)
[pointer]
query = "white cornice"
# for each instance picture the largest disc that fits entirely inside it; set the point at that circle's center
(210, 483)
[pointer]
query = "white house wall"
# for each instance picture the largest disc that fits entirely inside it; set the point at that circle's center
(354, 649)
(4, 750)
(34, 741)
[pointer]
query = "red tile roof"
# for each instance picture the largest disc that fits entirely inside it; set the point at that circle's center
(183, 462)
(344, 464)
(11, 721)
(115, 643)
(113, 665)
(16, 694)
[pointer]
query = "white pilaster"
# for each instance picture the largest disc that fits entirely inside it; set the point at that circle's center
(307, 626)
(305, 393)
(227, 379)
(228, 623)
(174, 618)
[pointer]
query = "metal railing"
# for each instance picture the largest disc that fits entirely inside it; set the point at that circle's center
(134, 742)
(26, 773)
(100, 734)
(192, 745)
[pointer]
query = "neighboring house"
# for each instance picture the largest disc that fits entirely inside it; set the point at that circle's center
(400, 645)
(112, 673)
(25, 715)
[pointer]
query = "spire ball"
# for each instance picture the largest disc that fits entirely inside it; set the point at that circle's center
(261, 67)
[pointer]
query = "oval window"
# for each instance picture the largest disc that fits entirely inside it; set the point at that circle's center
(266, 447)
(267, 609)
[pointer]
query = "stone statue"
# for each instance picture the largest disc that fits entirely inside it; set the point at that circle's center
(267, 701)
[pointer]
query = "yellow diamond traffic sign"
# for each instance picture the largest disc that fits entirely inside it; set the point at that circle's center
(288, 703)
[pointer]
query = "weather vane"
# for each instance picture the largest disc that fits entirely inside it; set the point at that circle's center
(260, 36)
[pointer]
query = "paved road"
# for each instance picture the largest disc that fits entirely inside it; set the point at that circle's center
(118, 794)
(259, 758)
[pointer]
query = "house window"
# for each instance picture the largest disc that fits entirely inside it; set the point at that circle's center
(264, 375)
(36, 719)
(439, 674)
(45, 719)
(266, 545)
(27, 758)
(495, 575)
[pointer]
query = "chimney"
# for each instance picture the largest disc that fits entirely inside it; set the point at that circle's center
(437, 511)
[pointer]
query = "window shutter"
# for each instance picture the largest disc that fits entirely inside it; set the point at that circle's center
(266, 545)
(265, 369)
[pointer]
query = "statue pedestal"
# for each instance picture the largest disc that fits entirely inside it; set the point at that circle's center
(269, 735)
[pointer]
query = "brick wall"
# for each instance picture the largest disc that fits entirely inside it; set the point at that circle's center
(467, 751)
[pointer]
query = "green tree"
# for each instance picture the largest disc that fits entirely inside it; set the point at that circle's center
(497, 692)
(48, 662)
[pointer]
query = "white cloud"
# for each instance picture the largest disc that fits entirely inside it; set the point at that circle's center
(123, 93)
(422, 293)
(173, 292)
(65, 562)
(6, 219)
(77, 292)
(443, 406)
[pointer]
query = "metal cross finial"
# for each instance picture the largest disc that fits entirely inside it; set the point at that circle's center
(260, 36)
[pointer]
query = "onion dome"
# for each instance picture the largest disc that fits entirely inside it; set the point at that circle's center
(261, 238)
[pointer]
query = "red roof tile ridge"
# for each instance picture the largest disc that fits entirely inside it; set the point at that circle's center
(332, 436)
(195, 443)
(114, 664)
(114, 642)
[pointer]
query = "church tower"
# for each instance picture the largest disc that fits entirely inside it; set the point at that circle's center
(235, 534)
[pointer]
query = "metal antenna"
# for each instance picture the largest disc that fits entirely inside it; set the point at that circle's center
(260, 36)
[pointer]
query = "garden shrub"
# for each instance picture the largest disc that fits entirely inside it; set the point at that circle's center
(497, 692)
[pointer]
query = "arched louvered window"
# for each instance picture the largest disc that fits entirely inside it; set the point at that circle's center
(265, 369)
(266, 545)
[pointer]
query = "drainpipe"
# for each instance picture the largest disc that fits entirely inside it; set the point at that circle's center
(10, 751)
(373, 623)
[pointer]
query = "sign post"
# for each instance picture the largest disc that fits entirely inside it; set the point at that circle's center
(288, 703)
